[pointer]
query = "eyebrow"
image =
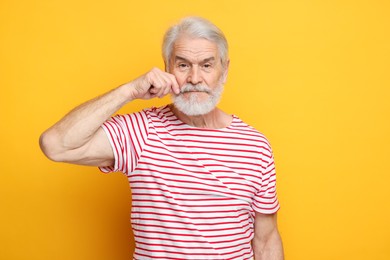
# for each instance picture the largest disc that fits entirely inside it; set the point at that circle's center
(186, 60)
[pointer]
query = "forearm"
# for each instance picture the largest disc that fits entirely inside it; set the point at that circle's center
(78, 138)
(269, 247)
(77, 127)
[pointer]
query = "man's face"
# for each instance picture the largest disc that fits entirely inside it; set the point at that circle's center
(199, 71)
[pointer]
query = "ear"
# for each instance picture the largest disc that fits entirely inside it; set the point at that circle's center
(225, 71)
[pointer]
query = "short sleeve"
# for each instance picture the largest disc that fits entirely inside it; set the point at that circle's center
(127, 135)
(266, 201)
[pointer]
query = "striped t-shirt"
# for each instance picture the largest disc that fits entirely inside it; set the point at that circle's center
(194, 190)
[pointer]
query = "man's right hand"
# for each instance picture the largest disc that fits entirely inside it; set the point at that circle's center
(155, 83)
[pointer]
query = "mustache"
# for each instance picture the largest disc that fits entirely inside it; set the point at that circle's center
(198, 87)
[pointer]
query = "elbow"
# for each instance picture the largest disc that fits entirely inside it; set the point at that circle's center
(49, 145)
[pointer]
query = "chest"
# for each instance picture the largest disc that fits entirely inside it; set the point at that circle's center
(202, 165)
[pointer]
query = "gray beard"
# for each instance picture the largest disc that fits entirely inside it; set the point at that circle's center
(193, 106)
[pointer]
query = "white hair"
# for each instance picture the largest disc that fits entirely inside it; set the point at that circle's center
(195, 27)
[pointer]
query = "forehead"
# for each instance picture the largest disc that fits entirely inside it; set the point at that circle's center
(194, 49)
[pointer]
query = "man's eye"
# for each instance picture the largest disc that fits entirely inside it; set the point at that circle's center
(207, 66)
(183, 65)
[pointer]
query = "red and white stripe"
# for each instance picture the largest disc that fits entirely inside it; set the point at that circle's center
(194, 190)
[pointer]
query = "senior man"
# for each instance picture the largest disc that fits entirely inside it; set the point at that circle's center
(202, 181)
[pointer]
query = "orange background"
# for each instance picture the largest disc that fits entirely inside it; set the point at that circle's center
(311, 75)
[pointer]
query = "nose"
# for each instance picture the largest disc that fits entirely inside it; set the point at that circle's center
(194, 76)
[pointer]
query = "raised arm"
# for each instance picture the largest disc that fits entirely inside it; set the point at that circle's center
(267, 244)
(78, 138)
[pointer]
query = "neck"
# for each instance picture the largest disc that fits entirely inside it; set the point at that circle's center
(213, 120)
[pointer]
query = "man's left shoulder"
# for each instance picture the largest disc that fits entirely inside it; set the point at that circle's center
(249, 132)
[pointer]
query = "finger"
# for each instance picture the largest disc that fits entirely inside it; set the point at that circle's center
(156, 87)
(166, 84)
(155, 80)
(164, 90)
(153, 90)
(175, 88)
(162, 83)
